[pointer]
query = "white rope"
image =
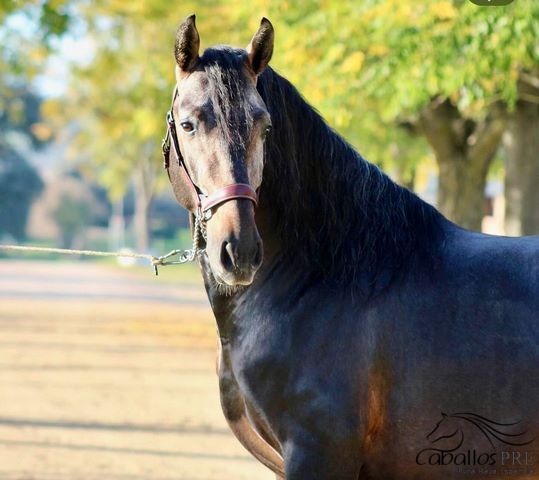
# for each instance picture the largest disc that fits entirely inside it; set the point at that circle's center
(66, 251)
(155, 261)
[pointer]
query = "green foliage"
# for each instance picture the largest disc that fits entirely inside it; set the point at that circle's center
(471, 54)
(27, 29)
(54, 18)
(22, 56)
(51, 16)
(367, 66)
(370, 65)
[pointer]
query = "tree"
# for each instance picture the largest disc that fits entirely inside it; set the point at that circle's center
(459, 68)
(20, 117)
(465, 123)
(72, 215)
(119, 100)
(20, 185)
(448, 69)
(464, 151)
(522, 161)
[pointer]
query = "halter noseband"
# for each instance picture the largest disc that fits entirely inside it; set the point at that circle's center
(204, 203)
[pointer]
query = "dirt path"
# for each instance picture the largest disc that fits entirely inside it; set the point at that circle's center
(108, 375)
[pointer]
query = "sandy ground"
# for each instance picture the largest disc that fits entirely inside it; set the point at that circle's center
(109, 374)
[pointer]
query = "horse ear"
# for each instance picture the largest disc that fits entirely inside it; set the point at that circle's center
(260, 49)
(187, 45)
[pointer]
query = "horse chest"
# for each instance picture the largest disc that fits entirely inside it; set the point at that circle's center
(291, 373)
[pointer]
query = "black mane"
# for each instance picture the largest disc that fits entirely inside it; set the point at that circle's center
(333, 209)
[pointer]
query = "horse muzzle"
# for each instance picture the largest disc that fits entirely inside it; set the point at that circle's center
(234, 246)
(239, 263)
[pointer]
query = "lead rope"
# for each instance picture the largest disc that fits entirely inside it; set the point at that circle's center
(190, 255)
(184, 256)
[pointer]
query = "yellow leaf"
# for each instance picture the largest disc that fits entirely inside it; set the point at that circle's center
(352, 63)
(443, 10)
(342, 118)
(488, 84)
(378, 50)
(41, 131)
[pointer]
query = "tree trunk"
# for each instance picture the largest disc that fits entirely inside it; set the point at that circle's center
(117, 225)
(144, 182)
(464, 150)
(521, 143)
(461, 189)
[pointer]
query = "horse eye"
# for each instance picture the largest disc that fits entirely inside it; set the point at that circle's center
(188, 127)
(267, 131)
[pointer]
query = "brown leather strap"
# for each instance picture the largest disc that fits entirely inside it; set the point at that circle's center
(230, 192)
(171, 147)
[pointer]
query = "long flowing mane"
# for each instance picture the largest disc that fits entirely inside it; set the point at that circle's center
(495, 430)
(333, 209)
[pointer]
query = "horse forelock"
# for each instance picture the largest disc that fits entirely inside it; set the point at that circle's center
(227, 86)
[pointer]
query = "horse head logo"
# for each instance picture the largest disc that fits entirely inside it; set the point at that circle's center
(445, 428)
(453, 426)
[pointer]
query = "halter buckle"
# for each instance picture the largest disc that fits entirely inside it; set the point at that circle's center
(165, 147)
(170, 118)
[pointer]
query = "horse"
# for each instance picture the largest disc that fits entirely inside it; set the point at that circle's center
(349, 311)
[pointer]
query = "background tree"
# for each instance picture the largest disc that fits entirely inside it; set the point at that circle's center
(72, 215)
(119, 100)
(522, 160)
(402, 81)
(20, 183)
(22, 55)
(459, 81)
(447, 70)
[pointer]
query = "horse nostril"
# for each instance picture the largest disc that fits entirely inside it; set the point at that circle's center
(236, 258)
(228, 259)
(258, 254)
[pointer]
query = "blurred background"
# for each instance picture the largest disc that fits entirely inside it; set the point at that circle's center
(108, 372)
(444, 95)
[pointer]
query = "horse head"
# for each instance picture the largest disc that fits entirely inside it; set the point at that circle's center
(221, 123)
(446, 427)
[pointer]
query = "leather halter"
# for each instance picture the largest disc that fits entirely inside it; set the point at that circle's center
(204, 203)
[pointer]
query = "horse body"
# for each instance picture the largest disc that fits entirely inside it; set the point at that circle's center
(354, 384)
(370, 312)
(347, 380)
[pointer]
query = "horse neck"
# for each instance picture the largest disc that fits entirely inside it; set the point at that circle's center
(330, 209)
